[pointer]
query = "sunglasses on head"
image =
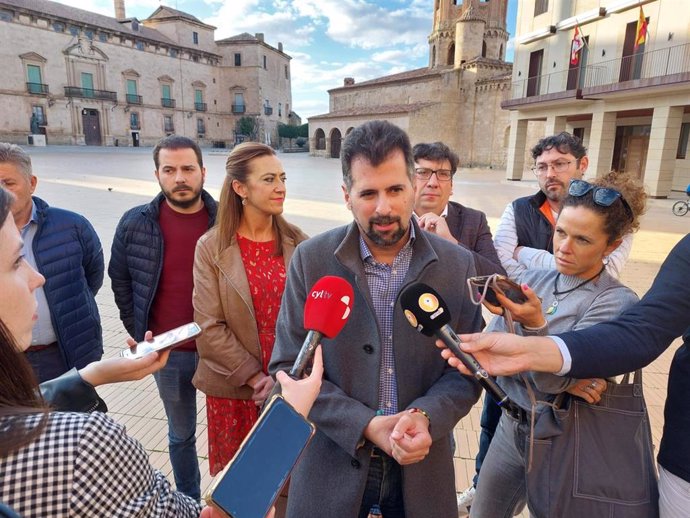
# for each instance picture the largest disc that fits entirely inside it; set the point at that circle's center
(602, 196)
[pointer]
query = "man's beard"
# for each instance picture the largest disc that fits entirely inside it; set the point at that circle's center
(379, 238)
(187, 202)
(555, 195)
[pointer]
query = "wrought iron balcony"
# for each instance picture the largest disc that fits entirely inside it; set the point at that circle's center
(667, 66)
(133, 99)
(169, 128)
(89, 93)
(200, 107)
(167, 103)
(37, 88)
(268, 110)
(239, 108)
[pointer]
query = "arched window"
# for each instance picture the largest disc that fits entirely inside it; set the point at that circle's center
(483, 49)
(451, 54)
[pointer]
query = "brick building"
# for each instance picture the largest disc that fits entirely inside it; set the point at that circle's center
(79, 77)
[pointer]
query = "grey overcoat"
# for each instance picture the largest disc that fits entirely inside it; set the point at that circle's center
(329, 480)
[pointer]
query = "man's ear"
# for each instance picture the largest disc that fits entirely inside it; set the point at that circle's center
(584, 164)
(33, 182)
(346, 195)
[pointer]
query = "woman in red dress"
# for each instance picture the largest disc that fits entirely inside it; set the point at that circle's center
(239, 277)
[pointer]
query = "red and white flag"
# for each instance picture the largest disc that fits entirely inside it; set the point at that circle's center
(575, 47)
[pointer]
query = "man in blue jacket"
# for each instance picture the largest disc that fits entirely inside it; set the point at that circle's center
(151, 272)
(64, 248)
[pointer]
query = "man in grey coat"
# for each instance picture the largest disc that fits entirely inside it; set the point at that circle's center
(388, 404)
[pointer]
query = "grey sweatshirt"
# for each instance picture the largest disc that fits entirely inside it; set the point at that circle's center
(597, 301)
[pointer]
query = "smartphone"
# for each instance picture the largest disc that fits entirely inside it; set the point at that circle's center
(163, 341)
(252, 480)
(510, 289)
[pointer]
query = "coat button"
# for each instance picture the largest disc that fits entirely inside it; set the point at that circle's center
(355, 463)
(368, 349)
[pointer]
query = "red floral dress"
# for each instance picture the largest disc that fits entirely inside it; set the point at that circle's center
(229, 420)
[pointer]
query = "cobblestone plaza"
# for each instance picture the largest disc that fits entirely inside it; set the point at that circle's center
(101, 183)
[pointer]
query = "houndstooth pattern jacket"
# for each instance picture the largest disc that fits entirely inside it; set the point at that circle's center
(86, 465)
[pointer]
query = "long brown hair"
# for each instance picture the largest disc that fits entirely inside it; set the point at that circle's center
(18, 393)
(230, 213)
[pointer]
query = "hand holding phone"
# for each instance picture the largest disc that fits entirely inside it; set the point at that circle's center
(163, 341)
(487, 285)
(252, 480)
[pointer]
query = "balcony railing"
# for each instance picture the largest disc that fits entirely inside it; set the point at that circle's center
(133, 99)
(37, 88)
(167, 103)
(239, 108)
(89, 93)
(645, 65)
(169, 128)
(268, 110)
(200, 107)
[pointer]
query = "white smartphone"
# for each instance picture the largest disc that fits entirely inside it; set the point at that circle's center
(163, 341)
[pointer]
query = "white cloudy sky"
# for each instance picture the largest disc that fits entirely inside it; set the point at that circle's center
(327, 39)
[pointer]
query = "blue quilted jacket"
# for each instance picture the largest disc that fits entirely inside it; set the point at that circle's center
(136, 261)
(69, 255)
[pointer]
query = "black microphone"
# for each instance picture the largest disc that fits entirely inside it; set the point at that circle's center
(426, 311)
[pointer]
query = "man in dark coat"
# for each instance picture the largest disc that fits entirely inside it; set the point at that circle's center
(151, 272)
(435, 168)
(387, 405)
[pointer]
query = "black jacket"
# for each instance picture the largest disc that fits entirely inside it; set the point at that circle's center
(136, 261)
(532, 228)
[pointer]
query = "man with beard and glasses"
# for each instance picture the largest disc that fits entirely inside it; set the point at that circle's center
(524, 235)
(524, 240)
(64, 247)
(151, 272)
(387, 405)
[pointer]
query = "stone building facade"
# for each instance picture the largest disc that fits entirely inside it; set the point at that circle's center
(456, 99)
(82, 78)
(630, 103)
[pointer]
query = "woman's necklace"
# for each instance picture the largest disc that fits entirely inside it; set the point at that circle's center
(554, 305)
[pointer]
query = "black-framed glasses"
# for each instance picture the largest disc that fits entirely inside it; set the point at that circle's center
(558, 166)
(443, 175)
(603, 196)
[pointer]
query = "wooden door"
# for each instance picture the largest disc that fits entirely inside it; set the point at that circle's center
(92, 127)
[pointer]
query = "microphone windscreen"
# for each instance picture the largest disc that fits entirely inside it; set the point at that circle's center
(328, 305)
(424, 308)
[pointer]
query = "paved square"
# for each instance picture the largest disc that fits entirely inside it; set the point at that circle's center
(102, 183)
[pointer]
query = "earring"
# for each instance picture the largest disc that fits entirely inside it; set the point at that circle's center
(605, 260)
(244, 201)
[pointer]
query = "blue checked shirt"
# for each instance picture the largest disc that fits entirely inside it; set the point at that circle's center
(384, 284)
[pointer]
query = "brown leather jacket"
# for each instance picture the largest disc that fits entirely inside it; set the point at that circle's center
(229, 350)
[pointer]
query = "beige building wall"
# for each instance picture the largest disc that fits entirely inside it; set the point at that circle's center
(632, 107)
(172, 59)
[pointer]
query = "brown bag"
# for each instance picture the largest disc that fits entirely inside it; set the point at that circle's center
(595, 460)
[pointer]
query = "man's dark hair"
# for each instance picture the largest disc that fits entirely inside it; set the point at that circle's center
(436, 151)
(564, 142)
(177, 142)
(374, 141)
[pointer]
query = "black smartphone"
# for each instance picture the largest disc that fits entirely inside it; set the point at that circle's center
(252, 480)
(510, 289)
(163, 341)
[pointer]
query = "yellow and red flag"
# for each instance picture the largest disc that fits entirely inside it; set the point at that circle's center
(641, 34)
